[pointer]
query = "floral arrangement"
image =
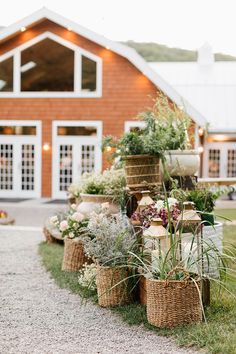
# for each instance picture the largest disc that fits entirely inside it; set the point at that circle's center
(111, 182)
(73, 226)
(112, 239)
(87, 276)
(73, 190)
(3, 214)
(161, 209)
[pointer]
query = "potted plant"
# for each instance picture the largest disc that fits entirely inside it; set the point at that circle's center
(173, 283)
(204, 201)
(141, 163)
(72, 229)
(111, 240)
(167, 126)
(94, 189)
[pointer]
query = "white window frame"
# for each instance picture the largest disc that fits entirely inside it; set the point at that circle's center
(133, 124)
(223, 147)
(66, 139)
(15, 53)
(27, 139)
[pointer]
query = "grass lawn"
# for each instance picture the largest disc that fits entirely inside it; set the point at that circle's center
(227, 213)
(218, 335)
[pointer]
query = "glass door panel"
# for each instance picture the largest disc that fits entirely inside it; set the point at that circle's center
(6, 167)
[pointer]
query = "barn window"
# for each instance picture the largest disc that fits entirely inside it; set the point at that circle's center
(89, 74)
(6, 75)
(47, 66)
(50, 66)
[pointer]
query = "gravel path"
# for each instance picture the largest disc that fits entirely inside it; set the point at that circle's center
(38, 317)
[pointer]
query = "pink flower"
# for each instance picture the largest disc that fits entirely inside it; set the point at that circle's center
(63, 225)
(77, 216)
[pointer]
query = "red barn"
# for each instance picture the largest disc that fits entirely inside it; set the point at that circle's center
(61, 88)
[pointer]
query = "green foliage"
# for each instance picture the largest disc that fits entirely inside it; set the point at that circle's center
(129, 144)
(158, 52)
(203, 199)
(166, 126)
(112, 240)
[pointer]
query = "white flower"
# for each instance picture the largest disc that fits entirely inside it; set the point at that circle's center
(54, 220)
(172, 202)
(159, 205)
(77, 217)
(87, 277)
(71, 235)
(63, 225)
(73, 206)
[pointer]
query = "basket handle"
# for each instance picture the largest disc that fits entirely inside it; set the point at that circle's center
(176, 269)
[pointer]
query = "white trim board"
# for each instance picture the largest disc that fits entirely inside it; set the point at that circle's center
(127, 52)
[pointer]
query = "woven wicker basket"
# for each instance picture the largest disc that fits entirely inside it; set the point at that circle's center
(52, 235)
(108, 277)
(74, 256)
(48, 236)
(142, 171)
(172, 303)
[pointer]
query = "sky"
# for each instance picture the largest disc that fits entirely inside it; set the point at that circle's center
(176, 23)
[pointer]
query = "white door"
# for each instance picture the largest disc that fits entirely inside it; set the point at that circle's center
(220, 160)
(75, 154)
(20, 161)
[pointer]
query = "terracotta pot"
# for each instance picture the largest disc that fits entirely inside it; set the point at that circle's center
(92, 202)
(181, 162)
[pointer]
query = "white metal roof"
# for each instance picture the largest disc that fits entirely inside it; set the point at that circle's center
(118, 48)
(211, 89)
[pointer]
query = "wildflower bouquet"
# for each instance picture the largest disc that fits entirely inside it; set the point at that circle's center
(158, 210)
(87, 276)
(73, 225)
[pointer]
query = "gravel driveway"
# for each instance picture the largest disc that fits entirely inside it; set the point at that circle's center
(38, 317)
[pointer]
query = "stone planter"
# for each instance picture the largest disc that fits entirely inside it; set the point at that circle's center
(181, 162)
(92, 202)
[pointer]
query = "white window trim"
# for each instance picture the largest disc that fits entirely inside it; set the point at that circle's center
(37, 139)
(62, 138)
(133, 124)
(15, 53)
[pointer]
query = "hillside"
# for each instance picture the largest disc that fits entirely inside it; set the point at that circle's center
(159, 52)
